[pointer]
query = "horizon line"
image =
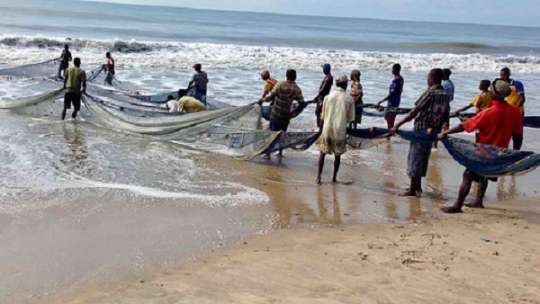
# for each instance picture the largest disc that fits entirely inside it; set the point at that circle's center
(309, 15)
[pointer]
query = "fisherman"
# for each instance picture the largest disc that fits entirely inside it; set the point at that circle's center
(496, 126)
(338, 111)
(430, 114)
(184, 103)
(324, 90)
(74, 86)
(65, 58)
(357, 94)
(394, 96)
(448, 84)
(269, 83)
(109, 68)
(199, 83)
(283, 95)
(481, 101)
(516, 98)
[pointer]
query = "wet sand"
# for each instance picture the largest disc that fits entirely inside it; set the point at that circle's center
(78, 238)
(482, 256)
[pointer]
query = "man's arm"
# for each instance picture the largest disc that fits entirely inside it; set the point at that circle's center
(465, 108)
(454, 130)
(383, 100)
(412, 114)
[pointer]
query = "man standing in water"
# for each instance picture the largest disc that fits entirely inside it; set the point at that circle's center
(199, 84)
(74, 86)
(394, 96)
(324, 90)
(497, 125)
(283, 95)
(431, 114)
(109, 68)
(65, 58)
(337, 112)
(357, 94)
(516, 98)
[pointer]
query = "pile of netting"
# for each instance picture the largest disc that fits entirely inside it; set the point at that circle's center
(45, 69)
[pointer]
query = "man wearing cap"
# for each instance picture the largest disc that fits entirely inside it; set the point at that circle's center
(198, 84)
(496, 125)
(324, 90)
(337, 112)
(269, 83)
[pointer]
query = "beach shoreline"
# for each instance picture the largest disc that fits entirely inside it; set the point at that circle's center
(484, 256)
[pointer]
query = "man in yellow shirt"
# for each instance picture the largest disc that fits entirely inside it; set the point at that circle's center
(74, 86)
(517, 97)
(269, 83)
(189, 104)
(480, 102)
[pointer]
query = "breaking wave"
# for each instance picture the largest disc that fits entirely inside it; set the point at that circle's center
(179, 55)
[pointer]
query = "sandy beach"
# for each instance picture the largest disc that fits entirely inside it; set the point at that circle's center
(482, 256)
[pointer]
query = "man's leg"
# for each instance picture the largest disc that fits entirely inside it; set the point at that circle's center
(67, 105)
(479, 201)
(517, 141)
(64, 114)
(320, 168)
(337, 162)
(464, 190)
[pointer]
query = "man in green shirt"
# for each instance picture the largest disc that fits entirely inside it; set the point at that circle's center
(74, 86)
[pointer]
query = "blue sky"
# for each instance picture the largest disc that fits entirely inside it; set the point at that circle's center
(516, 12)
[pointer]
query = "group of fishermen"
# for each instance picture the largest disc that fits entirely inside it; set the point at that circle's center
(499, 108)
(192, 99)
(498, 120)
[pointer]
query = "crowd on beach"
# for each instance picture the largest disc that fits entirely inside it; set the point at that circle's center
(499, 109)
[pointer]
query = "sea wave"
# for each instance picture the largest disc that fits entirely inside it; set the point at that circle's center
(180, 55)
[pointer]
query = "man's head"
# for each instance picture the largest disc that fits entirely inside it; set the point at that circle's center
(182, 93)
(505, 74)
(327, 68)
(342, 82)
(108, 54)
(291, 75)
(77, 62)
(484, 85)
(197, 67)
(446, 74)
(396, 69)
(500, 89)
(435, 77)
(66, 47)
(355, 75)
(265, 75)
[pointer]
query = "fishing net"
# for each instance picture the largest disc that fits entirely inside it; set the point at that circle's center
(491, 161)
(45, 69)
(532, 121)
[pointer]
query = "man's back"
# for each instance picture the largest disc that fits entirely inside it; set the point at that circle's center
(74, 79)
(434, 109)
(200, 80)
(337, 112)
(496, 124)
(285, 93)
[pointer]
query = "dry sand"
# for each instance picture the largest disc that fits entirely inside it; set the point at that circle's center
(482, 256)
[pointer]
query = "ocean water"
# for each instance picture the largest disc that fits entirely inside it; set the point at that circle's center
(85, 204)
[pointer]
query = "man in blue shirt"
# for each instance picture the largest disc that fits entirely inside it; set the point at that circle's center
(394, 96)
(448, 84)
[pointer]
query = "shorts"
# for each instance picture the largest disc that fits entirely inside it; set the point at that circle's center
(418, 159)
(278, 125)
(72, 98)
(64, 65)
(477, 177)
(390, 117)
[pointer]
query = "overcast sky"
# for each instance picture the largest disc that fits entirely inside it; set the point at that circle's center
(516, 12)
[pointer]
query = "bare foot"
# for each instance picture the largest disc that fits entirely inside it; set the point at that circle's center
(411, 193)
(451, 210)
(475, 205)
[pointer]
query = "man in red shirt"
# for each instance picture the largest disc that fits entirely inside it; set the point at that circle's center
(496, 126)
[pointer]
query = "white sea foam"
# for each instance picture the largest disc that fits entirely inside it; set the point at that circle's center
(181, 55)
